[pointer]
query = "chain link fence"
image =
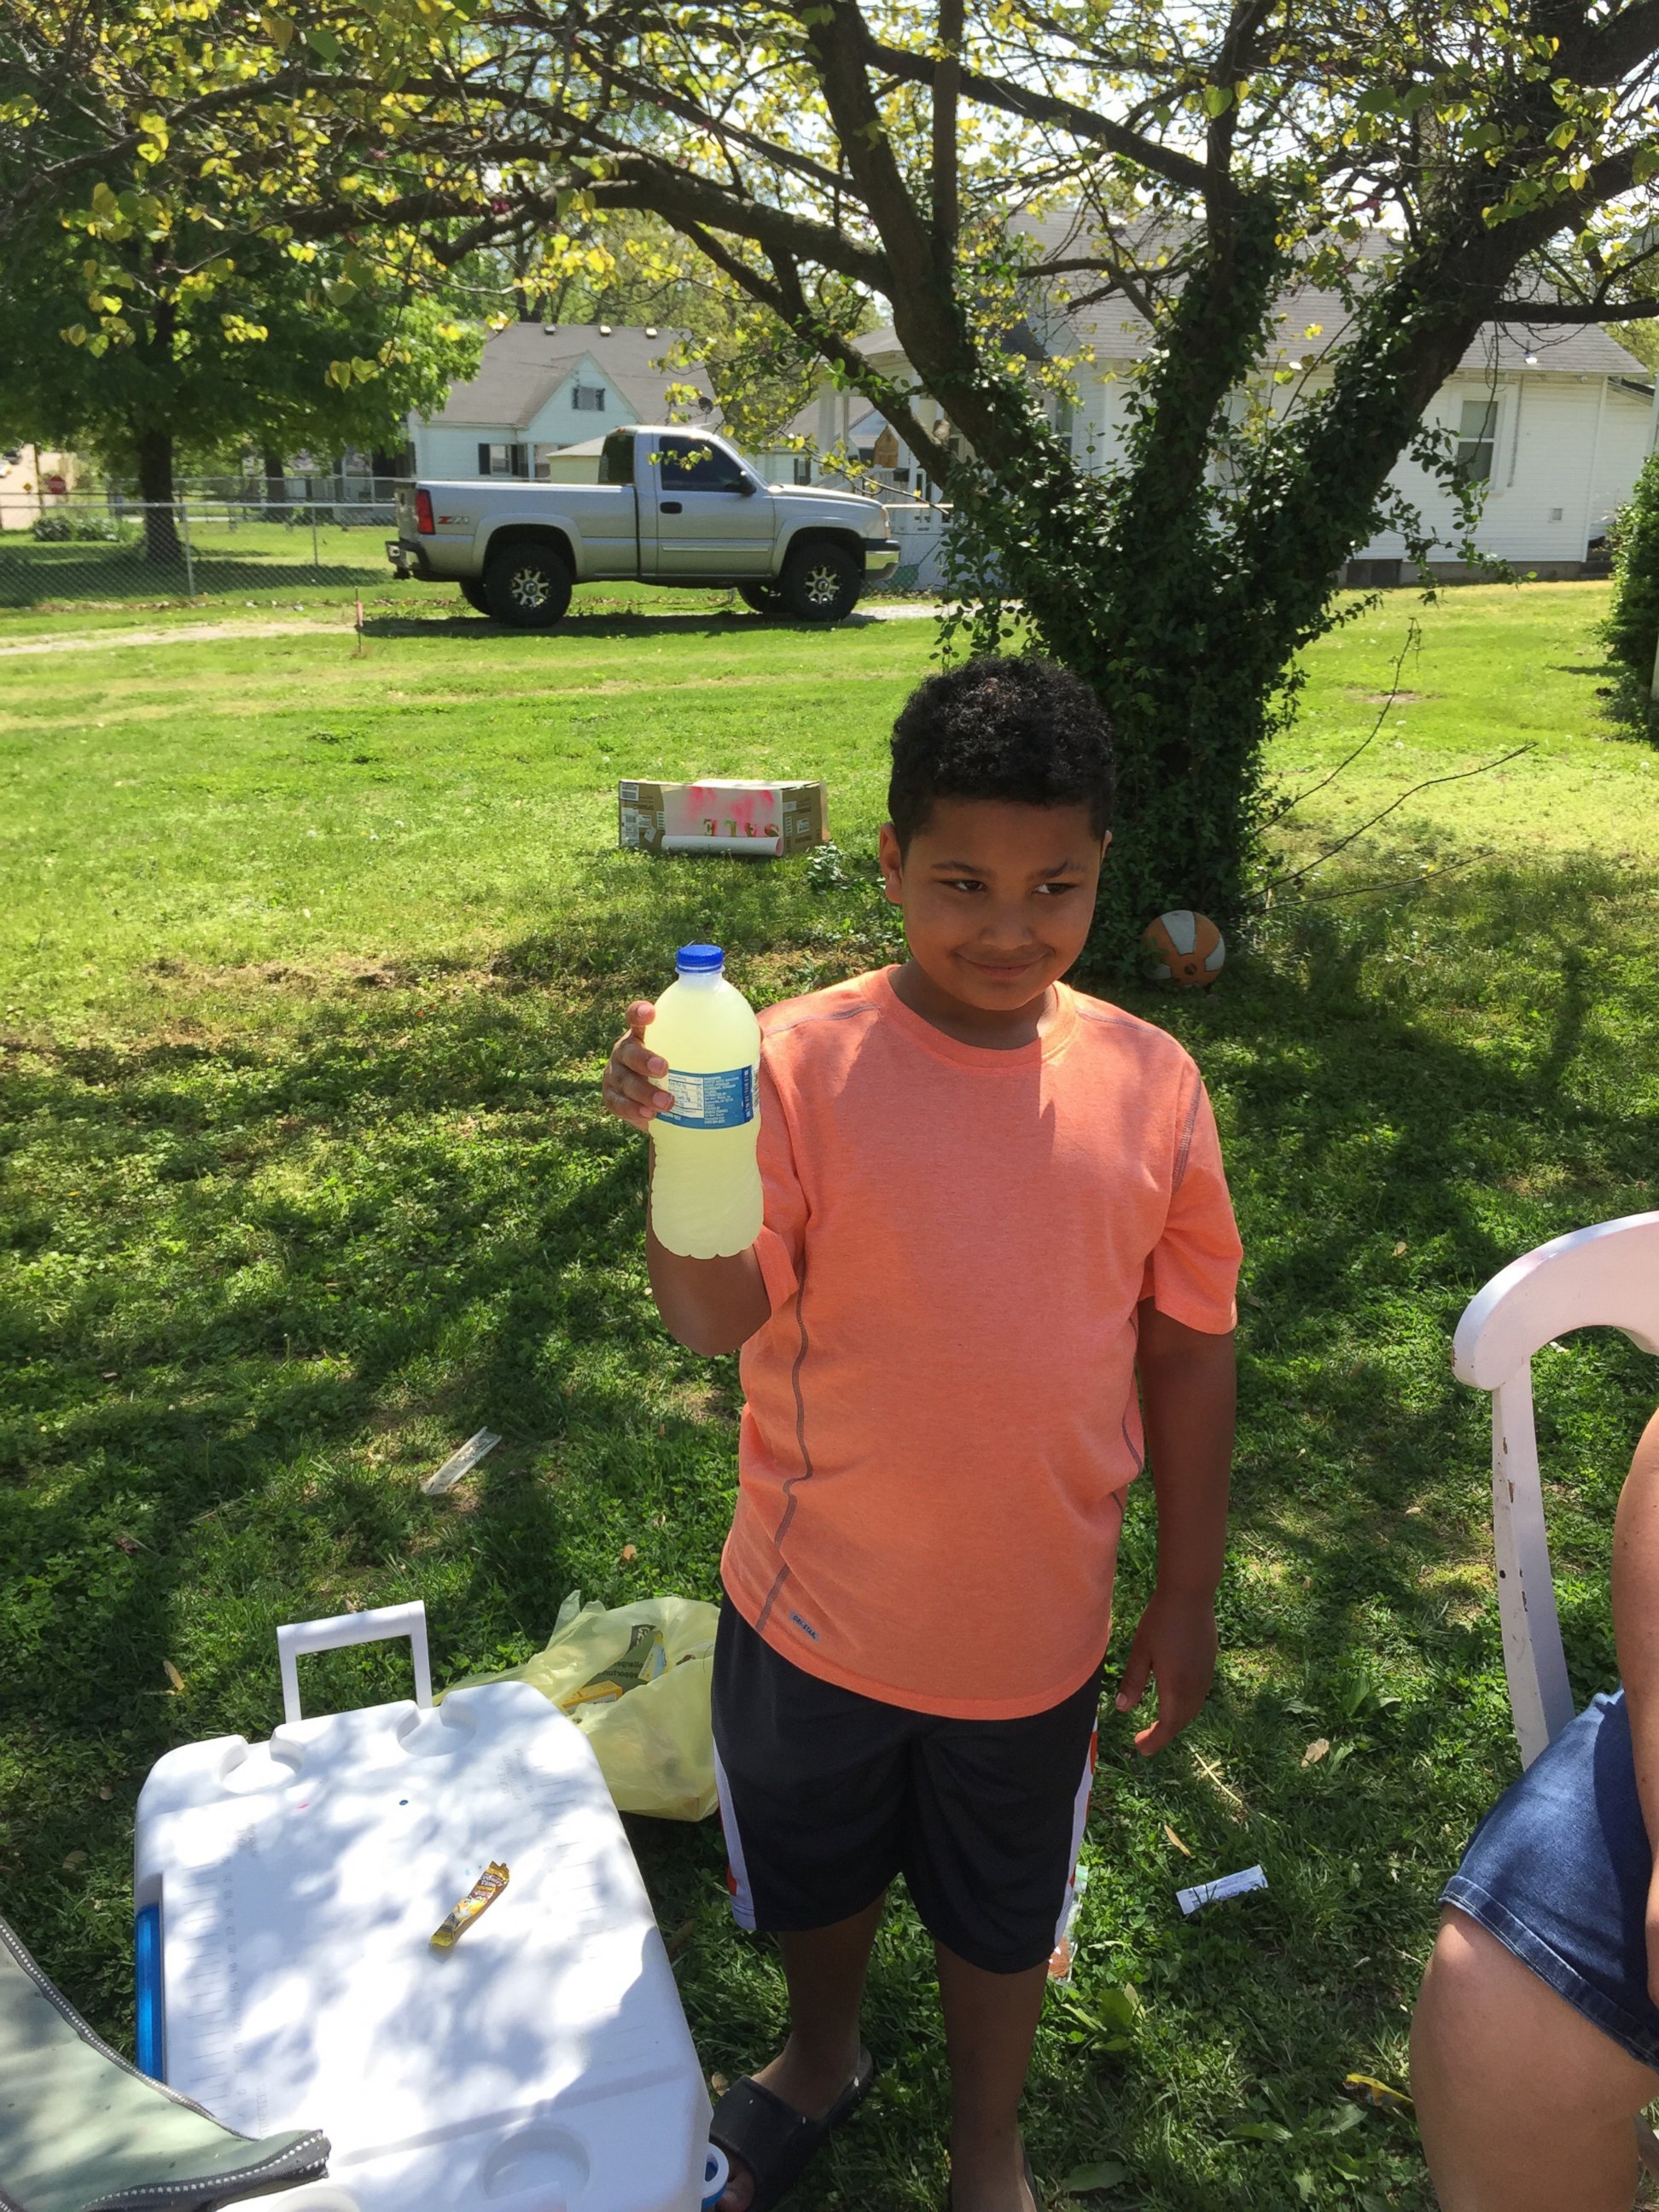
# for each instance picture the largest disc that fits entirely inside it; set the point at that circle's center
(118, 552)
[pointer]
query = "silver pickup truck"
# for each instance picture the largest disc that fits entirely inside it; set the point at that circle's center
(671, 507)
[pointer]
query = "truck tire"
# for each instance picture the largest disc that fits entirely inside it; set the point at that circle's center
(473, 592)
(527, 586)
(821, 582)
(764, 598)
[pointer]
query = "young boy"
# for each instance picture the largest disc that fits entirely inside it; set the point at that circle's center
(990, 1201)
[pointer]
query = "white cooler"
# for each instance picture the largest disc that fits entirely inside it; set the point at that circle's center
(286, 1894)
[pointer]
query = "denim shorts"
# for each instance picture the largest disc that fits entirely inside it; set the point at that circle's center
(1559, 1872)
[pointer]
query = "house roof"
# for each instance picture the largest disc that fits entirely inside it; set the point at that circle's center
(524, 364)
(1117, 332)
(1114, 332)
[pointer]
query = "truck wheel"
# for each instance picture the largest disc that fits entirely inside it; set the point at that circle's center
(764, 598)
(475, 595)
(527, 586)
(821, 583)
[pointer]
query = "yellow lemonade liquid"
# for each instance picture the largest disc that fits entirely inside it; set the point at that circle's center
(706, 1187)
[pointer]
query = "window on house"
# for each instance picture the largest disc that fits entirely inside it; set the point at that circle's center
(1477, 432)
(499, 459)
(587, 399)
(803, 468)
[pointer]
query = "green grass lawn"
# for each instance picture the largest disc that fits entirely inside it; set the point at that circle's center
(309, 964)
(229, 557)
(237, 566)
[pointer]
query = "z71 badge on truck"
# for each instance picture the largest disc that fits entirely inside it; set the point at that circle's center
(671, 507)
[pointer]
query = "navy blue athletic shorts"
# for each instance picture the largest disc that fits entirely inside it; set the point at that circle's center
(1559, 1872)
(827, 1796)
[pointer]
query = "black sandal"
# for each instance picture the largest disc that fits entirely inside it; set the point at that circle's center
(772, 2141)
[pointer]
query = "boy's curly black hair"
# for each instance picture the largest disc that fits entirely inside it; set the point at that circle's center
(999, 727)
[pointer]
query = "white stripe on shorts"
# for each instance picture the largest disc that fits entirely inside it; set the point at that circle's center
(1079, 1821)
(737, 1874)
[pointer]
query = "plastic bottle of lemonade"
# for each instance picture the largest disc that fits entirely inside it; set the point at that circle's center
(706, 1189)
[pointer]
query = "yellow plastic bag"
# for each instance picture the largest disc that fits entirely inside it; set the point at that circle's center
(635, 1679)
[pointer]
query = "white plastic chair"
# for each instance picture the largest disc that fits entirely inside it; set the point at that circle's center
(1602, 1278)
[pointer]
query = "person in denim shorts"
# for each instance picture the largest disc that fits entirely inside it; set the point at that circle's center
(1536, 2039)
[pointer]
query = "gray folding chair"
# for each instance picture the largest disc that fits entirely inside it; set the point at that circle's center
(81, 2131)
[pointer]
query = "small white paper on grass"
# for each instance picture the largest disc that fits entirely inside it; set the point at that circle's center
(1211, 1892)
(460, 1463)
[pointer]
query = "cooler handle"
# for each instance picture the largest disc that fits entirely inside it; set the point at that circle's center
(385, 1623)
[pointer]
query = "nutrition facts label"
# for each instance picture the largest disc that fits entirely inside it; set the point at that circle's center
(718, 1101)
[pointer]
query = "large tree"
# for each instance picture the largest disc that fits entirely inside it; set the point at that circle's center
(135, 355)
(158, 305)
(818, 152)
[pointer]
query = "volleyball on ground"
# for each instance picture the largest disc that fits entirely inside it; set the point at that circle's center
(1184, 948)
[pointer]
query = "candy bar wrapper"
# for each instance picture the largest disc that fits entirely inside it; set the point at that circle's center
(1211, 1892)
(482, 1895)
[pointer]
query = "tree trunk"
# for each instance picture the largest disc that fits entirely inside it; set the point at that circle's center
(162, 545)
(1130, 581)
(1186, 606)
(276, 469)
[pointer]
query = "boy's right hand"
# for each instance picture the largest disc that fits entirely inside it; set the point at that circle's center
(628, 1089)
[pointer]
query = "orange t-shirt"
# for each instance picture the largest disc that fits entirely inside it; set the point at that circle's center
(941, 1417)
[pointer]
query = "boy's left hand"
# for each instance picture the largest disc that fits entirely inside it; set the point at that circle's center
(1174, 1646)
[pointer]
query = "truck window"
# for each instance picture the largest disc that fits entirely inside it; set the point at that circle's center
(693, 464)
(617, 459)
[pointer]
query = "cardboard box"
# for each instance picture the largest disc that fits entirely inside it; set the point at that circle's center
(760, 821)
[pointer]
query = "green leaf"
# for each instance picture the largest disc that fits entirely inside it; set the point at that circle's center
(1260, 2132)
(1119, 2007)
(323, 43)
(1104, 2173)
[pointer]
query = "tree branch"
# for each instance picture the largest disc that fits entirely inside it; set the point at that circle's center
(837, 36)
(947, 84)
(787, 158)
(784, 295)
(54, 174)
(1230, 63)
(1034, 105)
(1539, 313)
(681, 196)
(1609, 53)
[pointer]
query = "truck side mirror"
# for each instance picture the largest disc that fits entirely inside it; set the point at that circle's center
(746, 486)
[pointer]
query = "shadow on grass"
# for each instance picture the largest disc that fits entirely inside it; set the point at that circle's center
(255, 1292)
(681, 621)
(624, 625)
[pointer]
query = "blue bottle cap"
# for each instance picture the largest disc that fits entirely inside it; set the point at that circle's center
(699, 959)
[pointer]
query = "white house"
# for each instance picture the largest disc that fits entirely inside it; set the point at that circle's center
(31, 481)
(1555, 421)
(543, 386)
